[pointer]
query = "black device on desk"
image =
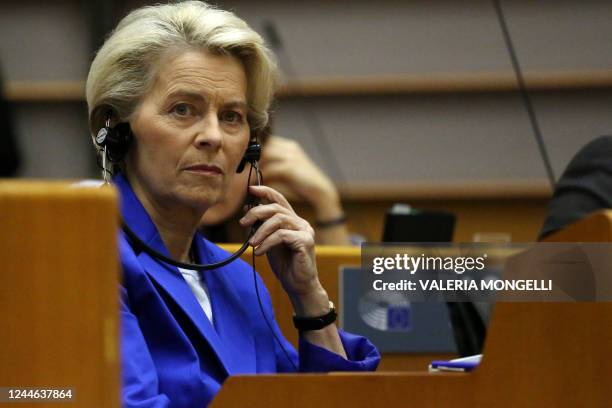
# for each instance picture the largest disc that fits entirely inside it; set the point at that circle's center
(406, 224)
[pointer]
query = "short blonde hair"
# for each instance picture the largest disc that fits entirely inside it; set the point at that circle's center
(124, 67)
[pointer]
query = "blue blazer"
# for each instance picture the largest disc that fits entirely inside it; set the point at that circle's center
(172, 355)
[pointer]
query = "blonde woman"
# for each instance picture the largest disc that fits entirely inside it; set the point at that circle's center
(173, 96)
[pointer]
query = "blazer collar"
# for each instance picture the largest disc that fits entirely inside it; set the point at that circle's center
(135, 215)
(230, 311)
(237, 353)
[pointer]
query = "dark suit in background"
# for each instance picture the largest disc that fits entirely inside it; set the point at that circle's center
(584, 187)
(9, 155)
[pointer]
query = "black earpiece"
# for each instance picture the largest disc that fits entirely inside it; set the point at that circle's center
(252, 155)
(116, 140)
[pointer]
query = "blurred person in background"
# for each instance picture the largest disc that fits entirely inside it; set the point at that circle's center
(584, 187)
(286, 167)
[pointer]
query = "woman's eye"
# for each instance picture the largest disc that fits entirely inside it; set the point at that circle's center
(182, 109)
(231, 117)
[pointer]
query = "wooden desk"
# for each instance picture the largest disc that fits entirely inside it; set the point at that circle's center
(594, 228)
(59, 294)
(535, 355)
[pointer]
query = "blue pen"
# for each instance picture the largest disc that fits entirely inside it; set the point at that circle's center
(461, 364)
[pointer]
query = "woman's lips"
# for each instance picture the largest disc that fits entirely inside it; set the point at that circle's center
(205, 169)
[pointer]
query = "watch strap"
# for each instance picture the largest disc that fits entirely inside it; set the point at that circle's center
(316, 323)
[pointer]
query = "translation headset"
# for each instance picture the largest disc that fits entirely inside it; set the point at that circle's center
(114, 143)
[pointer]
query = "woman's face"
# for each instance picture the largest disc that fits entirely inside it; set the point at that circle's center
(231, 202)
(190, 131)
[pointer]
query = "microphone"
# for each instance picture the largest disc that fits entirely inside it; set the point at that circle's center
(524, 94)
(469, 326)
(271, 34)
(313, 123)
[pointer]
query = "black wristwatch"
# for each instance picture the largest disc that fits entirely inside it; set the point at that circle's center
(316, 323)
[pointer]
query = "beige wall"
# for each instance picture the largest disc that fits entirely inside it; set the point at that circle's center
(411, 137)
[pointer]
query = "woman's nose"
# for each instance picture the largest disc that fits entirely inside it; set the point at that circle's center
(210, 134)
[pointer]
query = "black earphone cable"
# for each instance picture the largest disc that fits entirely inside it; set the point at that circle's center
(184, 265)
(202, 267)
(194, 266)
(255, 282)
(263, 313)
